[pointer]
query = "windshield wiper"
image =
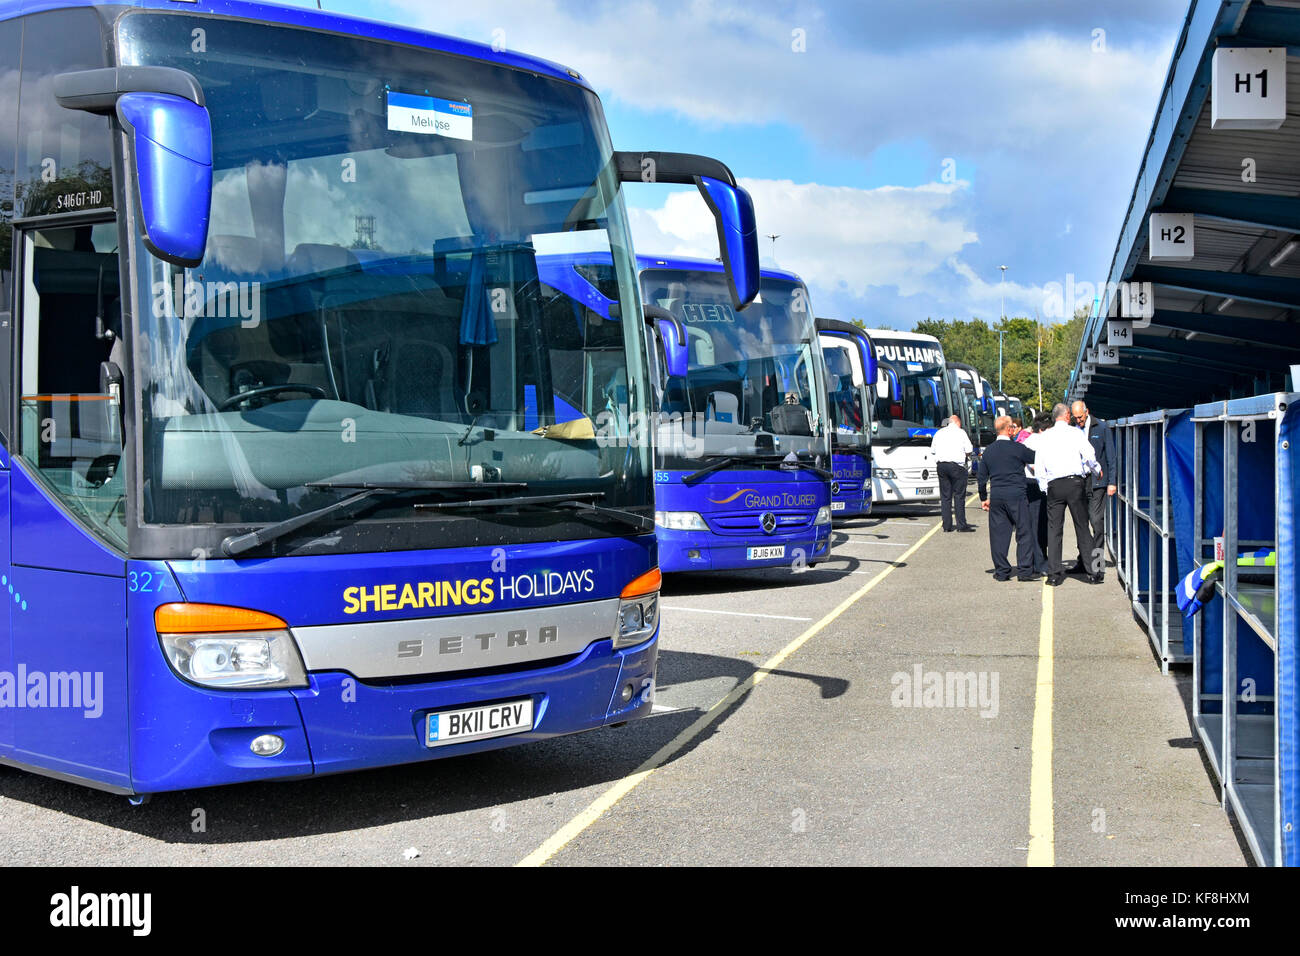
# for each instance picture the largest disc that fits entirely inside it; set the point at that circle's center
(807, 466)
(583, 502)
(239, 543)
(720, 462)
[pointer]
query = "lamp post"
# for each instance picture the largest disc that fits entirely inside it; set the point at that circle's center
(1038, 333)
(1002, 331)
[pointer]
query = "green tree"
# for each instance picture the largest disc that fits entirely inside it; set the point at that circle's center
(975, 342)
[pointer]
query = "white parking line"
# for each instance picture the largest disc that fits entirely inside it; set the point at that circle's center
(858, 534)
(621, 788)
(701, 610)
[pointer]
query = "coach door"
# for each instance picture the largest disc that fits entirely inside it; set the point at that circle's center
(66, 582)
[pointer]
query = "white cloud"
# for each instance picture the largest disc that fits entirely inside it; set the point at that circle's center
(1045, 129)
(721, 62)
(845, 242)
(985, 294)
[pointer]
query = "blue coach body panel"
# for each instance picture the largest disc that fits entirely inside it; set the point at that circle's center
(187, 736)
(183, 735)
(44, 535)
(352, 725)
(311, 590)
(6, 652)
(65, 592)
(732, 504)
(852, 498)
(80, 731)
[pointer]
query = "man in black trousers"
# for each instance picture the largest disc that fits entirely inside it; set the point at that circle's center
(951, 446)
(1038, 498)
(1064, 458)
(1002, 495)
(1101, 437)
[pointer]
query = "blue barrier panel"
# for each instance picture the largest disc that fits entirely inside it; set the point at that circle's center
(1180, 446)
(1288, 621)
(1211, 499)
(1244, 703)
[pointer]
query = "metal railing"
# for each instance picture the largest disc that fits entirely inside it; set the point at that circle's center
(1243, 704)
(1140, 531)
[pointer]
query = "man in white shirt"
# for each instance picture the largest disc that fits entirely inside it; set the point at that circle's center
(951, 446)
(1063, 458)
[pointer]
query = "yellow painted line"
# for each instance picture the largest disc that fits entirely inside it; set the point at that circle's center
(597, 808)
(1042, 837)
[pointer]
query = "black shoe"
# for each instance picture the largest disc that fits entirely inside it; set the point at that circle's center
(1096, 579)
(1029, 577)
(1001, 580)
(947, 530)
(1055, 580)
(969, 527)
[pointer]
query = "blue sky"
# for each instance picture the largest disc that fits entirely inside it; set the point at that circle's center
(902, 150)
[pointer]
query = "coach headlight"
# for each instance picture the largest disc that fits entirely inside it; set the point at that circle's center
(217, 646)
(680, 521)
(823, 515)
(638, 610)
(886, 474)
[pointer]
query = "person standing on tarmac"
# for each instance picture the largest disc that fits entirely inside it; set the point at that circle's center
(1002, 495)
(1099, 434)
(1065, 458)
(951, 446)
(1036, 496)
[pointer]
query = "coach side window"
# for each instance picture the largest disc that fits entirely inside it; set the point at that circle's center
(71, 370)
(63, 156)
(10, 38)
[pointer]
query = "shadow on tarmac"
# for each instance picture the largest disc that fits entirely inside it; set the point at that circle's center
(832, 568)
(425, 791)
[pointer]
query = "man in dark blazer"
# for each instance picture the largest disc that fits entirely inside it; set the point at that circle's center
(1002, 495)
(1102, 438)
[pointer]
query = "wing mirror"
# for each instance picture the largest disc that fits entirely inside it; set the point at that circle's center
(871, 367)
(163, 114)
(732, 208)
(673, 337)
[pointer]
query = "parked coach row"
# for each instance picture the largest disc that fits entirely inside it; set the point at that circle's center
(294, 487)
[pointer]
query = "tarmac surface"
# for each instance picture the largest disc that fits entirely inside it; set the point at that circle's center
(877, 709)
